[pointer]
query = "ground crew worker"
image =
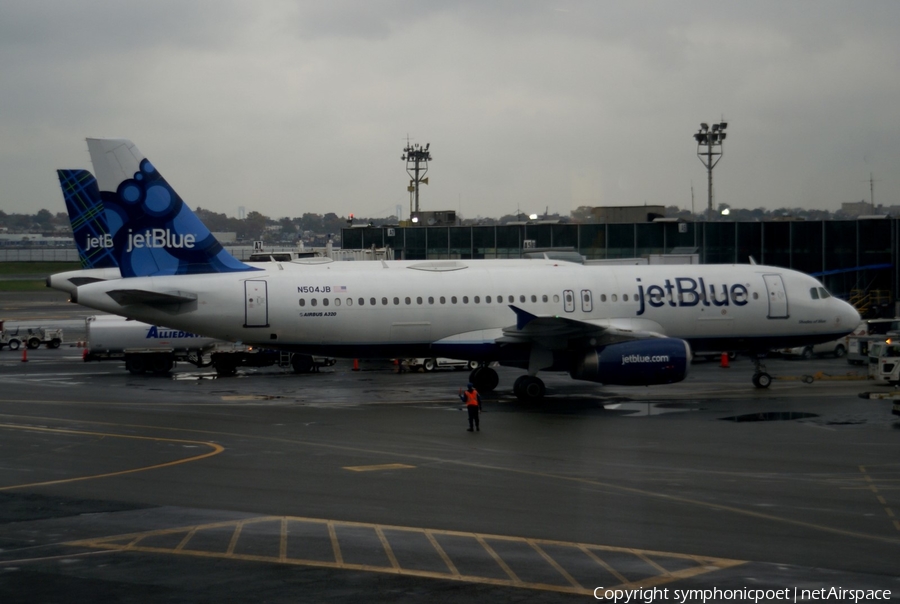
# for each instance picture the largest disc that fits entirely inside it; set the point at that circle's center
(473, 405)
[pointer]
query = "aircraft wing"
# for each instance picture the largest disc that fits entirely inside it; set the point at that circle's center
(557, 333)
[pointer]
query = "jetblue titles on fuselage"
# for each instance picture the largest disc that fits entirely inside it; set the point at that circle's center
(687, 291)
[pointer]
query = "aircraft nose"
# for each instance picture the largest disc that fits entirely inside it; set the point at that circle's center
(849, 318)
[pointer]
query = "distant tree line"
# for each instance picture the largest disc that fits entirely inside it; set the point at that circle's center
(316, 228)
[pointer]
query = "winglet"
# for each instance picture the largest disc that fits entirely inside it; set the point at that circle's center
(523, 317)
(153, 231)
(82, 197)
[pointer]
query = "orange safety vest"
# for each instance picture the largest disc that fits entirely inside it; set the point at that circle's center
(471, 398)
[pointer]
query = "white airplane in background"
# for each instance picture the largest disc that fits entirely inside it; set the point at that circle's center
(620, 325)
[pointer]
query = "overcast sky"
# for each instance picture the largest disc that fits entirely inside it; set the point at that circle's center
(289, 107)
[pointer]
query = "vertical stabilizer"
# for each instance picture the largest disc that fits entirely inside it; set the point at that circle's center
(82, 197)
(153, 231)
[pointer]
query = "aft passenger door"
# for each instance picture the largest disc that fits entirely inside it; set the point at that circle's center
(778, 305)
(256, 304)
(587, 301)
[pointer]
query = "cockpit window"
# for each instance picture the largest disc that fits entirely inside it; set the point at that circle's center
(814, 293)
(823, 293)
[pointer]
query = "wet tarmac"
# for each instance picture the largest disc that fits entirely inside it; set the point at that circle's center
(364, 485)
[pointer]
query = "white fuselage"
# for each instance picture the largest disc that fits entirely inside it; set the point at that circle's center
(386, 308)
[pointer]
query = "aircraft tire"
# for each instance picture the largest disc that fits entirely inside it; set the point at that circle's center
(484, 379)
(225, 364)
(302, 363)
(762, 380)
(529, 389)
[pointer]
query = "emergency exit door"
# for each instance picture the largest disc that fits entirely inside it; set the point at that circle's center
(256, 304)
(778, 305)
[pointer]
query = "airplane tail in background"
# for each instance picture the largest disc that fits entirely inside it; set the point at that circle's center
(79, 188)
(153, 231)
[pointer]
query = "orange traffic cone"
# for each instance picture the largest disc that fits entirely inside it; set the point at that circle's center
(25, 354)
(355, 364)
(725, 360)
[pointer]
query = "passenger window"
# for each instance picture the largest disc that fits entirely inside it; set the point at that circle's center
(349, 301)
(324, 301)
(614, 298)
(603, 297)
(313, 302)
(453, 299)
(556, 298)
(465, 299)
(533, 298)
(362, 301)
(384, 301)
(396, 301)
(443, 300)
(407, 300)
(419, 300)
(302, 302)
(625, 297)
(487, 299)
(431, 299)
(477, 299)
(337, 302)
(512, 299)
(521, 298)
(544, 298)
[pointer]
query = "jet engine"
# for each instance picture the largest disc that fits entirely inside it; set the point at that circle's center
(635, 363)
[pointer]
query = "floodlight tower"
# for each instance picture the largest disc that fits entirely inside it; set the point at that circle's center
(711, 139)
(416, 158)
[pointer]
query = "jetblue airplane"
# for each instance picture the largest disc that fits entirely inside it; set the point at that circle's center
(618, 325)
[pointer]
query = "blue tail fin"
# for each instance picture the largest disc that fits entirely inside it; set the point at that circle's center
(153, 231)
(79, 188)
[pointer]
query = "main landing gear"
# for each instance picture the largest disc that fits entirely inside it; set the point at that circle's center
(529, 388)
(484, 379)
(761, 379)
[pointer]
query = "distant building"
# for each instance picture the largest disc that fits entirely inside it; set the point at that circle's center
(621, 214)
(857, 208)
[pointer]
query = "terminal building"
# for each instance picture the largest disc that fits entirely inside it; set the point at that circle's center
(857, 260)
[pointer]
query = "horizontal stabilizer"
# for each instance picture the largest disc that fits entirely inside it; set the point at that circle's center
(127, 297)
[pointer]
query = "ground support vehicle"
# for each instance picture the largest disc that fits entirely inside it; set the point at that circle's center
(32, 337)
(838, 348)
(430, 364)
(871, 330)
(152, 349)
